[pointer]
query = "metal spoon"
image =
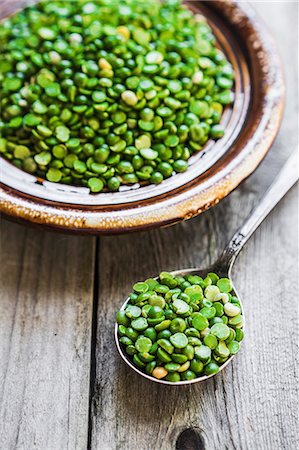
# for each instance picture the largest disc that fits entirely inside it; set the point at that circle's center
(286, 178)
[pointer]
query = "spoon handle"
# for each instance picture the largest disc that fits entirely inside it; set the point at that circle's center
(286, 178)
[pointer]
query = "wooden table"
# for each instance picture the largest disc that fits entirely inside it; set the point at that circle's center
(63, 386)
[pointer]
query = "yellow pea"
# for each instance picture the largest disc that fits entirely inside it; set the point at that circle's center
(197, 77)
(184, 367)
(231, 310)
(123, 31)
(104, 64)
(159, 372)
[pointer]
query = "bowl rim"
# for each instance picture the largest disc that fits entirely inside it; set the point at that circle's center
(207, 189)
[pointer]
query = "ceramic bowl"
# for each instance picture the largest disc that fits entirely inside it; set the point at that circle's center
(251, 126)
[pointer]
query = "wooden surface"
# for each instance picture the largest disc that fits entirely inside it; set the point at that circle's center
(62, 384)
(46, 311)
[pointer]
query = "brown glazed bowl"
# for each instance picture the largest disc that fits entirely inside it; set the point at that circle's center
(251, 126)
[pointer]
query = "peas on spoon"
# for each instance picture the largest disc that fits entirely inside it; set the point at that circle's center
(186, 326)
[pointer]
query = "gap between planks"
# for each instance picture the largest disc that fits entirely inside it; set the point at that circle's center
(93, 337)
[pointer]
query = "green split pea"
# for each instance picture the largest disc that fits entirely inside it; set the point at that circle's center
(104, 94)
(181, 328)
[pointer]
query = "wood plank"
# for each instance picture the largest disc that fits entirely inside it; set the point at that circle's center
(251, 405)
(45, 331)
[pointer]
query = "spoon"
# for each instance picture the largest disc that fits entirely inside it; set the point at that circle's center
(286, 178)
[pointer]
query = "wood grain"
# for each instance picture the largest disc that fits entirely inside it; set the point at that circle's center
(46, 326)
(252, 404)
(46, 305)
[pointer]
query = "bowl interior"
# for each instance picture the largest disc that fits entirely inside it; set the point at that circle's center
(233, 119)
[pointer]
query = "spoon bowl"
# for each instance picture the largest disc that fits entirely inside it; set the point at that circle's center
(222, 272)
